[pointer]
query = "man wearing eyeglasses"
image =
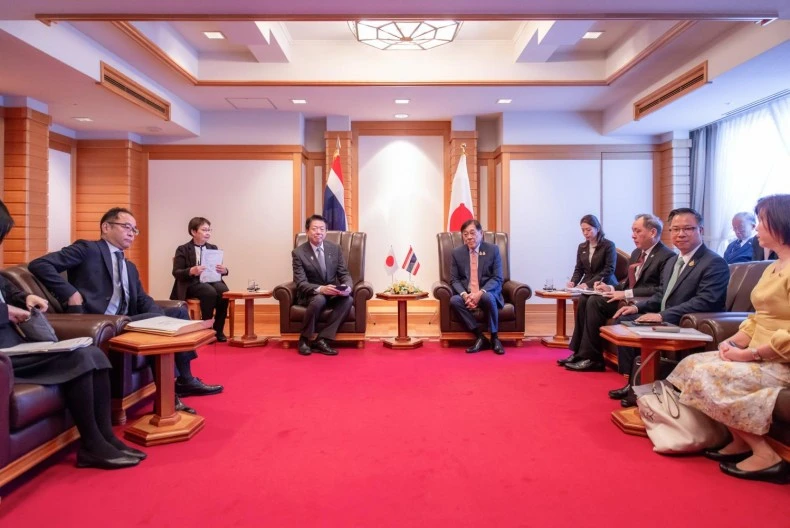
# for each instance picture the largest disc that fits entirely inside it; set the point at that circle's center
(692, 282)
(102, 281)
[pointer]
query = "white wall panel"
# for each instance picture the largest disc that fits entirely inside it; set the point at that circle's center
(401, 203)
(627, 192)
(59, 210)
(249, 204)
(482, 186)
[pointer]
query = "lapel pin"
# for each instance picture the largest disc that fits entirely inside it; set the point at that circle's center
(691, 264)
(482, 253)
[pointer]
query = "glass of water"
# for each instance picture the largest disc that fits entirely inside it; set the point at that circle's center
(252, 285)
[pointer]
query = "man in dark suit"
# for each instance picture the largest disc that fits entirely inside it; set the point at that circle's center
(644, 276)
(476, 279)
(102, 281)
(741, 249)
(322, 280)
(694, 281)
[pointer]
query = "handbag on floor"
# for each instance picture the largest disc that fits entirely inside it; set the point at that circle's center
(674, 427)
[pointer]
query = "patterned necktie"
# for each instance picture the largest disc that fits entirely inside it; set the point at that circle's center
(123, 305)
(474, 284)
(672, 280)
(632, 271)
(321, 260)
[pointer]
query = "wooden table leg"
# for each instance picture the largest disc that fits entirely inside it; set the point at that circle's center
(560, 339)
(403, 341)
(249, 339)
(165, 425)
(649, 372)
(232, 316)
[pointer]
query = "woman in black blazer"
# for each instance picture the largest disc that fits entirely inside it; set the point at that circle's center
(595, 258)
(187, 269)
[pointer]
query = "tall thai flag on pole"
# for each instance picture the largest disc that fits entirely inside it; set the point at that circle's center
(461, 208)
(410, 263)
(334, 208)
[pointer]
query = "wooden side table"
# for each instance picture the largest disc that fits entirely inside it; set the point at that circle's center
(560, 338)
(403, 341)
(628, 420)
(249, 339)
(165, 425)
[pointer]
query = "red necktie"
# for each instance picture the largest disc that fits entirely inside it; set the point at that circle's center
(632, 271)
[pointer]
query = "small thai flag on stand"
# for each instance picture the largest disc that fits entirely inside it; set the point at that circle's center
(411, 264)
(334, 208)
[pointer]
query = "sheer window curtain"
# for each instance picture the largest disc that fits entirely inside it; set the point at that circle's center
(736, 161)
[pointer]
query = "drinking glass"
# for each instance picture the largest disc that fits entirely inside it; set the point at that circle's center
(252, 285)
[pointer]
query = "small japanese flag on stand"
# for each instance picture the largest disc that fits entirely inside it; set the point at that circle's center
(391, 264)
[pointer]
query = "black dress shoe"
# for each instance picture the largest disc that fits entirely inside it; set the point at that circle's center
(87, 459)
(627, 402)
(573, 358)
(779, 473)
(619, 394)
(481, 344)
(586, 365)
(496, 346)
(322, 347)
(196, 387)
(304, 348)
(182, 407)
(221, 338)
(135, 453)
(714, 454)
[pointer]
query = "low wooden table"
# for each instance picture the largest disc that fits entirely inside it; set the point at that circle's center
(560, 339)
(165, 425)
(403, 341)
(249, 339)
(628, 420)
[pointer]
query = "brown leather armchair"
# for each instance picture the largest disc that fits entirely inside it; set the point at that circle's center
(34, 422)
(511, 316)
(352, 244)
(131, 379)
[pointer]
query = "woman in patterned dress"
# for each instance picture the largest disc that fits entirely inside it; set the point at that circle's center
(738, 384)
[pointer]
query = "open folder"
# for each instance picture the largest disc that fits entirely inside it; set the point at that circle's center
(47, 347)
(168, 326)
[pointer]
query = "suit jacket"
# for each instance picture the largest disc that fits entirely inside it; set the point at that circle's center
(489, 271)
(185, 259)
(602, 266)
(701, 287)
(307, 271)
(759, 252)
(12, 296)
(736, 253)
(650, 275)
(88, 264)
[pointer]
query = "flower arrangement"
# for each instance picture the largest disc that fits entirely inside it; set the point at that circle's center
(403, 288)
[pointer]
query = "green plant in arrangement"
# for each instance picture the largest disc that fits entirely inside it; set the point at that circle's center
(403, 288)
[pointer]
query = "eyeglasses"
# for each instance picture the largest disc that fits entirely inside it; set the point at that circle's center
(129, 228)
(688, 229)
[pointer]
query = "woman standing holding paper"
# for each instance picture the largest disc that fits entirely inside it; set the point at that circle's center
(738, 385)
(82, 375)
(195, 280)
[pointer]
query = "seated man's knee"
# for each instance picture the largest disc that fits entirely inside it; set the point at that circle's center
(318, 301)
(179, 312)
(457, 301)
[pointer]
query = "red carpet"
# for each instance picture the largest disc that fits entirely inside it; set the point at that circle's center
(432, 437)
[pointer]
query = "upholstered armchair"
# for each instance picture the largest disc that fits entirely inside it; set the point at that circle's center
(511, 316)
(352, 244)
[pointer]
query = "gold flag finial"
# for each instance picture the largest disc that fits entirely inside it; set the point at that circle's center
(463, 148)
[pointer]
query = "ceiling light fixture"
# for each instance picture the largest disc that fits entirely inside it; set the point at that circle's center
(214, 35)
(404, 34)
(504, 101)
(83, 119)
(299, 101)
(402, 101)
(401, 116)
(592, 35)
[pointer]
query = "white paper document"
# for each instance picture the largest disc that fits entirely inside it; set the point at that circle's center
(210, 258)
(47, 347)
(688, 334)
(164, 325)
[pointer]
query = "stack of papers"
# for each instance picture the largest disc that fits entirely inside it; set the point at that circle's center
(689, 334)
(168, 326)
(47, 347)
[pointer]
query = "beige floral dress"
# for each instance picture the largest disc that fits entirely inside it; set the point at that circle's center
(742, 395)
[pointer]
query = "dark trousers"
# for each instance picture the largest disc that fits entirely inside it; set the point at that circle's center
(340, 306)
(181, 359)
(487, 304)
(210, 296)
(592, 312)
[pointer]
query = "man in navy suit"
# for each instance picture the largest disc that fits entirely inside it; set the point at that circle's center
(476, 279)
(322, 279)
(692, 282)
(102, 281)
(741, 249)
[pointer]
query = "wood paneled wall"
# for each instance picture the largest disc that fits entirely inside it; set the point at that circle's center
(673, 181)
(112, 174)
(26, 185)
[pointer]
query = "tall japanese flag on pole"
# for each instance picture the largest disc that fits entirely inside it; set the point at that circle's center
(334, 197)
(461, 208)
